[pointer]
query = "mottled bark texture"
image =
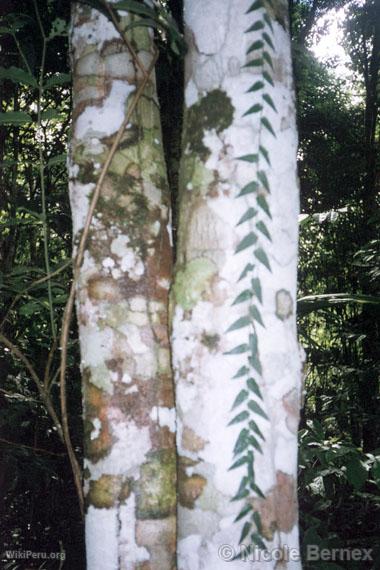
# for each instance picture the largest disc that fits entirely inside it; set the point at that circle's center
(207, 283)
(122, 289)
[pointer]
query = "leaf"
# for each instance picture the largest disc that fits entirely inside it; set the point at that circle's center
(243, 395)
(255, 363)
(59, 27)
(238, 463)
(253, 386)
(266, 123)
(58, 159)
(240, 349)
(243, 296)
(266, 37)
(256, 517)
(249, 157)
(244, 512)
(253, 441)
(143, 23)
(262, 202)
(254, 109)
(258, 44)
(250, 213)
(135, 8)
(268, 59)
(248, 189)
(255, 537)
(248, 268)
(258, 62)
(254, 427)
(253, 343)
(255, 6)
(265, 153)
(15, 118)
(255, 314)
(268, 78)
(258, 25)
(241, 445)
(256, 86)
(245, 532)
(256, 409)
(31, 308)
(239, 418)
(51, 114)
(268, 99)
(57, 79)
(256, 286)
(257, 490)
(18, 75)
(241, 372)
(239, 324)
(247, 241)
(263, 179)
(356, 473)
(263, 229)
(262, 257)
(268, 21)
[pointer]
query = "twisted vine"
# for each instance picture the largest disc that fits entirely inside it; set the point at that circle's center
(249, 401)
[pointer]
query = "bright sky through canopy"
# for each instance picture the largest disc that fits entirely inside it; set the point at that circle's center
(327, 45)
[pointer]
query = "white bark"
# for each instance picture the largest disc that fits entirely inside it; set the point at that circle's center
(206, 284)
(122, 303)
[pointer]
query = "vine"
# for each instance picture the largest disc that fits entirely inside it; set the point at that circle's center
(249, 401)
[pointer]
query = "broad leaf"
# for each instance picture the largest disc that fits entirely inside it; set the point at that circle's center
(247, 241)
(250, 213)
(15, 118)
(263, 229)
(256, 409)
(248, 189)
(262, 257)
(18, 75)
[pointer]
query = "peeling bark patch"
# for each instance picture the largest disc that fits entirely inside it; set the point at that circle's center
(291, 404)
(213, 111)
(104, 492)
(191, 489)
(96, 403)
(192, 281)
(191, 441)
(278, 511)
(103, 289)
(156, 497)
(284, 304)
(159, 537)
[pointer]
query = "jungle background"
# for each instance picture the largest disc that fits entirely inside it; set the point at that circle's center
(339, 274)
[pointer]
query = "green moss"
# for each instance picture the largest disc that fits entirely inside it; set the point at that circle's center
(213, 111)
(194, 172)
(192, 281)
(104, 492)
(156, 494)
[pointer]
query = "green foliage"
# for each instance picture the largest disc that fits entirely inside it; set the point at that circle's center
(247, 443)
(39, 503)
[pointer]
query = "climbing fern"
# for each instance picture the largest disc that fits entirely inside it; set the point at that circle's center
(249, 401)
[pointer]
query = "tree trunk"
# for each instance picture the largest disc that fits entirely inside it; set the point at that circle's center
(122, 289)
(237, 167)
